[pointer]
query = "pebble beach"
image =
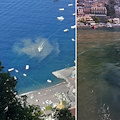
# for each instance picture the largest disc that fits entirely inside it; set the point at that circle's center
(51, 95)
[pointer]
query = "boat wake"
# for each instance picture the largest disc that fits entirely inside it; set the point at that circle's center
(39, 48)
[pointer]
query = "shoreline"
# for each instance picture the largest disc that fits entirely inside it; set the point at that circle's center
(43, 89)
(42, 96)
(88, 26)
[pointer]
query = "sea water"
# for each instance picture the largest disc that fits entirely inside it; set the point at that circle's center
(25, 26)
(99, 74)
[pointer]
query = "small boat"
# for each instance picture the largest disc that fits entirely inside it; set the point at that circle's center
(93, 27)
(74, 61)
(27, 67)
(61, 9)
(15, 77)
(40, 47)
(16, 71)
(24, 75)
(73, 39)
(72, 27)
(70, 5)
(49, 81)
(66, 30)
(11, 69)
(61, 18)
(108, 25)
(73, 14)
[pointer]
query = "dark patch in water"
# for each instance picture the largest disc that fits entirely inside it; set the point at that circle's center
(113, 78)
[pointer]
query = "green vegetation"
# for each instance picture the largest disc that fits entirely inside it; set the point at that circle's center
(96, 19)
(13, 107)
(48, 107)
(82, 21)
(64, 114)
(42, 112)
(64, 102)
(107, 21)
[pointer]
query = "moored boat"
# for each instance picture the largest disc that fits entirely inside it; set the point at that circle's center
(24, 75)
(61, 18)
(61, 9)
(66, 30)
(27, 67)
(70, 5)
(11, 69)
(72, 27)
(49, 81)
(93, 27)
(73, 39)
(16, 70)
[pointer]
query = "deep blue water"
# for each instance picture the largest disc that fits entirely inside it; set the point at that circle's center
(25, 25)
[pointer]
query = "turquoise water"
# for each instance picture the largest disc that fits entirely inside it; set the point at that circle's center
(26, 25)
(99, 74)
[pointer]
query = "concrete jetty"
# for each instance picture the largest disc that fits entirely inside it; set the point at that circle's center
(65, 74)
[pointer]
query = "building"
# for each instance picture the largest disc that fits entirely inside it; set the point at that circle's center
(116, 20)
(117, 11)
(98, 10)
(99, 4)
(72, 110)
(87, 9)
(80, 10)
(86, 18)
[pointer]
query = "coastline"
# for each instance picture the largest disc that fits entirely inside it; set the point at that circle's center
(89, 26)
(27, 93)
(42, 96)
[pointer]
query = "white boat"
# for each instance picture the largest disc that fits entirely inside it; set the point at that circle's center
(27, 67)
(49, 81)
(72, 27)
(73, 14)
(40, 47)
(61, 18)
(73, 39)
(24, 74)
(66, 30)
(70, 4)
(74, 61)
(61, 9)
(15, 77)
(11, 69)
(16, 71)
(108, 25)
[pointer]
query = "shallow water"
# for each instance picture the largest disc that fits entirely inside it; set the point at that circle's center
(99, 74)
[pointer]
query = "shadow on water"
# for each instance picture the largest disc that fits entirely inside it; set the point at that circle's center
(98, 75)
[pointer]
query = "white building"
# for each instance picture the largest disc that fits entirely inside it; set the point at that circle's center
(117, 10)
(116, 20)
(80, 10)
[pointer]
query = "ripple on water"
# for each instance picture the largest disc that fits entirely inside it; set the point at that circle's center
(99, 92)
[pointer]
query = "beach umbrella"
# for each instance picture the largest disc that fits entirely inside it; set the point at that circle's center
(60, 105)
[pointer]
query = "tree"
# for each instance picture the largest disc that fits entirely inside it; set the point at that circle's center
(107, 21)
(82, 21)
(12, 106)
(64, 114)
(96, 19)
